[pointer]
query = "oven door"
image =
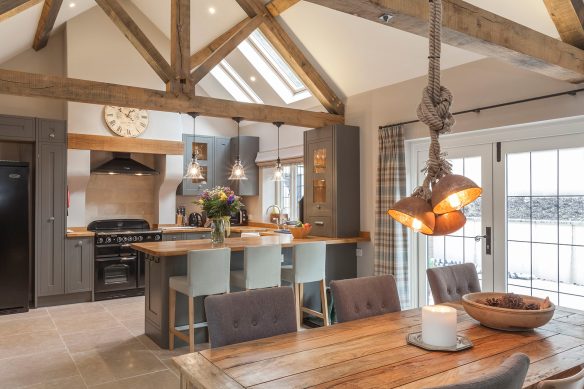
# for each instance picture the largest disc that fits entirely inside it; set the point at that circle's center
(115, 273)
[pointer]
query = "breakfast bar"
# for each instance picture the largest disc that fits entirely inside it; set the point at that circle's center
(166, 259)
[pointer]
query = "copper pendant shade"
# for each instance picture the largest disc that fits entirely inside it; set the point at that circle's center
(415, 213)
(448, 223)
(452, 192)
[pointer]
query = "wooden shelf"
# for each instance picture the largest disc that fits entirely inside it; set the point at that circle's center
(124, 145)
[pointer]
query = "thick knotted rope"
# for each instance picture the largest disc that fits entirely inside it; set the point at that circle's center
(434, 110)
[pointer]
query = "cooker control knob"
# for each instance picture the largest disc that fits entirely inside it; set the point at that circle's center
(140, 238)
(157, 237)
(108, 240)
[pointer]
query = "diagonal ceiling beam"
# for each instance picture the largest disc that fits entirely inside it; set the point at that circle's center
(568, 16)
(46, 22)
(9, 8)
(289, 50)
(180, 47)
(137, 38)
(205, 52)
(92, 92)
(474, 29)
(223, 51)
(276, 7)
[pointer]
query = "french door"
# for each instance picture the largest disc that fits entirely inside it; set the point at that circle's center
(473, 243)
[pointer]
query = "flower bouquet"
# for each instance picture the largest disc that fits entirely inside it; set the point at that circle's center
(219, 203)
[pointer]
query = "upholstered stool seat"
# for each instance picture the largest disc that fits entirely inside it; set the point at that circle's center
(450, 283)
(261, 268)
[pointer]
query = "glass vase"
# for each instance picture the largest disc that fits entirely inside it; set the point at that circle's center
(218, 231)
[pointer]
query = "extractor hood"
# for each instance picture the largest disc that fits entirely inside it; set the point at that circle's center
(122, 163)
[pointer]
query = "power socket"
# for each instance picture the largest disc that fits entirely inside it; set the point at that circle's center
(359, 252)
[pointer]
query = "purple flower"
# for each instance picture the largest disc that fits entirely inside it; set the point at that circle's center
(230, 199)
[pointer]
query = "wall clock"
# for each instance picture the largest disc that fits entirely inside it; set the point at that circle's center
(126, 122)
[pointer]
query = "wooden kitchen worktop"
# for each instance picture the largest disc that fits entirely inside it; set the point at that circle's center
(81, 232)
(178, 248)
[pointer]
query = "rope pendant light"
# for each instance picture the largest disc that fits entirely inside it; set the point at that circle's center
(194, 169)
(237, 172)
(278, 170)
(434, 207)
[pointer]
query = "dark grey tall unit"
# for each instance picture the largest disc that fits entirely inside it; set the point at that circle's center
(249, 146)
(331, 181)
(221, 168)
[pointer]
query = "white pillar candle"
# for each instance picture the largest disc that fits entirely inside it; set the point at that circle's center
(439, 326)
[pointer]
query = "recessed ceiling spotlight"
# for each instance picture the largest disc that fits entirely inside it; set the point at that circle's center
(212, 10)
(385, 18)
(72, 5)
(252, 78)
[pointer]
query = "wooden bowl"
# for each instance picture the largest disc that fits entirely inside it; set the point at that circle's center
(503, 318)
(300, 232)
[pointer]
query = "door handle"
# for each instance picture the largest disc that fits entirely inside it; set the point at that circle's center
(487, 238)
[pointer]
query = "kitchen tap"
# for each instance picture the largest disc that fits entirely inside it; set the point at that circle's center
(279, 220)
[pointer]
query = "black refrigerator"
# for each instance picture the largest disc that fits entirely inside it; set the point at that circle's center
(14, 237)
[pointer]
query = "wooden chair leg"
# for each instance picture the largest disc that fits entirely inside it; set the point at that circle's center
(191, 324)
(301, 303)
(324, 303)
(297, 304)
(171, 317)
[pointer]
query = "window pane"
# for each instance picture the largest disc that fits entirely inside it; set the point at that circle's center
(572, 270)
(519, 263)
(572, 220)
(544, 266)
(544, 219)
(518, 174)
(472, 254)
(544, 173)
(436, 251)
(542, 294)
(473, 226)
(571, 162)
(472, 169)
(457, 166)
(519, 290)
(454, 250)
(569, 301)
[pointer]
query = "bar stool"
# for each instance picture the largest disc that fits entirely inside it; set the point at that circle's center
(207, 274)
(261, 268)
(308, 265)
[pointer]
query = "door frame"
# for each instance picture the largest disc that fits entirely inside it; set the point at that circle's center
(492, 136)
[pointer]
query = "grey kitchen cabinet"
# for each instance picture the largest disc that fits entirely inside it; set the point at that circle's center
(153, 292)
(52, 131)
(222, 165)
(51, 216)
(78, 265)
(206, 148)
(175, 236)
(249, 146)
(331, 181)
(197, 235)
(17, 128)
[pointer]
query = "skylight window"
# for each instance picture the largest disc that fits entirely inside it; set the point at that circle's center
(262, 55)
(234, 84)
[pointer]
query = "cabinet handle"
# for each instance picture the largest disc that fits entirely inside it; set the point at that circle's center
(52, 135)
(319, 223)
(52, 219)
(318, 206)
(80, 243)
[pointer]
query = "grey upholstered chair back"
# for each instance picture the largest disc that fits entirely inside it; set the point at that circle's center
(262, 266)
(208, 271)
(359, 298)
(255, 314)
(510, 375)
(450, 283)
(308, 262)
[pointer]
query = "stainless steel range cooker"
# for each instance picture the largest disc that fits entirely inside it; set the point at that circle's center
(119, 270)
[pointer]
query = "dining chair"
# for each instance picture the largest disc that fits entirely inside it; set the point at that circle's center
(573, 382)
(308, 265)
(450, 283)
(358, 298)
(255, 314)
(207, 274)
(261, 268)
(509, 375)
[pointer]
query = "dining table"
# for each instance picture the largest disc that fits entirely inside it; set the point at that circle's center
(373, 353)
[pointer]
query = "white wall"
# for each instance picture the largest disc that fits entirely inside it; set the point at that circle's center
(473, 85)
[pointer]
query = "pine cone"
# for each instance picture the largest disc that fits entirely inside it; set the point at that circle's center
(493, 302)
(512, 301)
(532, 307)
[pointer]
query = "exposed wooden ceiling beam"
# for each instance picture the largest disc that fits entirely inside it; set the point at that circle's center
(205, 52)
(474, 29)
(9, 8)
(289, 50)
(223, 51)
(92, 92)
(568, 16)
(46, 22)
(137, 38)
(180, 47)
(276, 7)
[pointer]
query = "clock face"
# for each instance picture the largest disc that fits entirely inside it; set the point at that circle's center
(127, 122)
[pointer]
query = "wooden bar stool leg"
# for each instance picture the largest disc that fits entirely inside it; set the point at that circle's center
(323, 302)
(191, 324)
(301, 303)
(171, 317)
(298, 306)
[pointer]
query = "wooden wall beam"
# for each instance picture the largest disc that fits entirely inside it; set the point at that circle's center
(226, 48)
(123, 145)
(9, 8)
(180, 47)
(137, 38)
(568, 16)
(276, 7)
(289, 50)
(205, 52)
(46, 22)
(474, 29)
(92, 92)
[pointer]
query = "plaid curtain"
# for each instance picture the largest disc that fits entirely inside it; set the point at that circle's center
(391, 245)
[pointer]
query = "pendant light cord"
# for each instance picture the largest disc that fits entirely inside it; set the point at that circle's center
(237, 119)
(434, 109)
(194, 116)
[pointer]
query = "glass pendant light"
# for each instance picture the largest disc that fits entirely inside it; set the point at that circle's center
(194, 169)
(278, 170)
(237, 172)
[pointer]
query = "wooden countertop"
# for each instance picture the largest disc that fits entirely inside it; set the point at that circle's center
(182, 247)
(81, 232)
(78, 232)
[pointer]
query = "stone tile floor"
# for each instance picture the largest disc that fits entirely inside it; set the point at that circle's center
(90, 345)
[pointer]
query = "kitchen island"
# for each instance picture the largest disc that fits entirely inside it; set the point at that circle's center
(167, 259)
